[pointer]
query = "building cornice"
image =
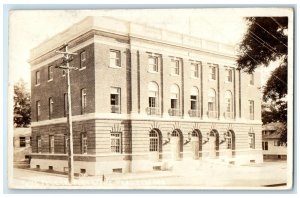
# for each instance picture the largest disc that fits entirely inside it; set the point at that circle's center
(139, 117)
(130, 29)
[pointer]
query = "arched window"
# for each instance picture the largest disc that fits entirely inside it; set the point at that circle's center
(228, 105)
(153, 98)
(194, 111)
(175, 133)
(196, 144)
(212, 113)
(228, 140)
(194, 133)
(154, 141)
(175, 100)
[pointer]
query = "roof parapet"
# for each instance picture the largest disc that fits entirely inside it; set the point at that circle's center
(131, 29)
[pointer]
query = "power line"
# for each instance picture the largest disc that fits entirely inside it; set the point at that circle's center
(258, 63)
(272, 34)
(263, 43)
(277, 22)
(271, 73)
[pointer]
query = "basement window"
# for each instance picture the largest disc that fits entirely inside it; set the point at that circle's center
(117, 170)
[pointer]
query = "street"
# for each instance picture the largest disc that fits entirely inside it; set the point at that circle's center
(207, 176)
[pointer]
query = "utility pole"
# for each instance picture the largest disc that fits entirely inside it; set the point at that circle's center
(67, 58)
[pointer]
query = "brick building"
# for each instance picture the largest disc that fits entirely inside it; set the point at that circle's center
(143, 99)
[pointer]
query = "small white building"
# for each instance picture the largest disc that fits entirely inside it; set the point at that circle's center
(273, 148)
(22, 143)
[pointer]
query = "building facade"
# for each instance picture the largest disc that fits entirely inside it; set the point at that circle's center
(143, 99)
(273, 147)
(22, 144)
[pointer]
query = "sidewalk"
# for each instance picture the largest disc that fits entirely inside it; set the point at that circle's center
(204, 177)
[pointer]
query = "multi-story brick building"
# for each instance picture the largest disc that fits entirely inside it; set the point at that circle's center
(143, 99)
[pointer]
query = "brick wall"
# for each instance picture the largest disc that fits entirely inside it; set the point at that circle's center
(57, 87)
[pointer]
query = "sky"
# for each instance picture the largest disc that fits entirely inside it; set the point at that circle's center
(27, 29)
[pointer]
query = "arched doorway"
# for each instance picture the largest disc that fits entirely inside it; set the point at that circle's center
(213, 143)
(230, 143)
(176, 144)
(155, 144)
(196, 141)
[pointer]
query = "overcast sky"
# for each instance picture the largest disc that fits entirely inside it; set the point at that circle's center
(30, 28)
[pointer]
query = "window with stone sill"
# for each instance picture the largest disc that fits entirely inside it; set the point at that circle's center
(37, 78)
(50, 73)
(115, 58)
(83, 60)
(175, 67)
(212, 72)
(153, 63)
(195, 70)
(84, 144)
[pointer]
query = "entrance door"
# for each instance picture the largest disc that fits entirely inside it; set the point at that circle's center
(154, 146)
(175, 145)
(229, 144)
(195, 147)
(195, 144)
(212, 145)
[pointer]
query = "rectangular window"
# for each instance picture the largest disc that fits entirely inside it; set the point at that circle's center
(83, 101)
(115, 99)
(152, 102)
(66, 143)
(65, 104)
(251, 109)
(229, 74)
(251, 140)
(175, 67)
(265, 146)
(194, 100)
(276, 143)
(51, 143)
(39, 144)
(194, 112)
(37, 77)
(50, 108)
(251, 79)
(228, 105)
(211, 106)
(50, 73)
(83, 59)
(212, 72)
(153, 63)
(194, 70)
(38, 110)
(22, 141)
(115, 58)
(115, 142)
(84, 143)
(174, 103)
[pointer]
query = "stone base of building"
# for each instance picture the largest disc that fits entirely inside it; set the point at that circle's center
(142, 163)
(173, 146)
(275, 157)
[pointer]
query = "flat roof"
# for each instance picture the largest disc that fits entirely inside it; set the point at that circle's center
(130, 29)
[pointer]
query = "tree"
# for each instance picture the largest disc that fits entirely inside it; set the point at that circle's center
(266, 41)
(22, 111)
